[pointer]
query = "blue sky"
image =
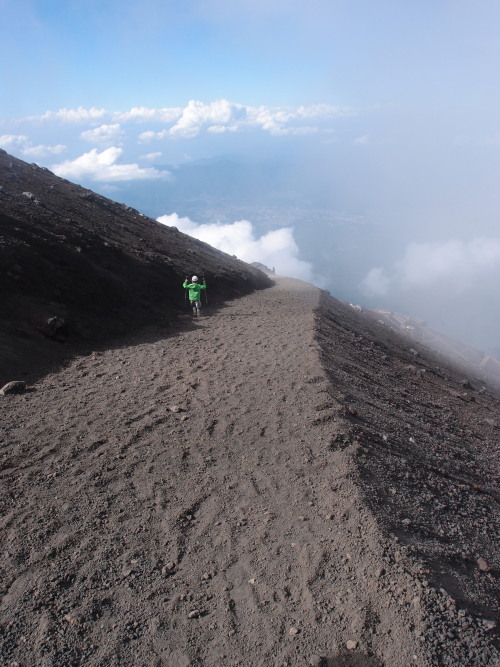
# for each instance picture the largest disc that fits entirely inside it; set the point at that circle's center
(156, 53)
(393, 105)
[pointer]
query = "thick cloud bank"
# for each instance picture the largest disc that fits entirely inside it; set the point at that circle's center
(276, 248)
(453, 284)
(459, 265)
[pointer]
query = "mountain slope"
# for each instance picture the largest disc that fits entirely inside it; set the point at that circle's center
(426, 443)
(103, 268)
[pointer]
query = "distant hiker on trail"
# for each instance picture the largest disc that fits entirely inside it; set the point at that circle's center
(195, 288)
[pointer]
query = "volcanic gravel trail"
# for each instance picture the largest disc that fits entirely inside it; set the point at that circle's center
(178, 501)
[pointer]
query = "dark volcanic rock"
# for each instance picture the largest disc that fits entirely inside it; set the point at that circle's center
(426, 448)
(102, 267)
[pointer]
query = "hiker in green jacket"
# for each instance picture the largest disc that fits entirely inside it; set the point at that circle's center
(195, 288)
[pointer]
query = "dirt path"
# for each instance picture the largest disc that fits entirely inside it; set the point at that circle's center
(176, 502)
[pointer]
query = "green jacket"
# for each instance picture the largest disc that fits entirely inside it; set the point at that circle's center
(194, 289)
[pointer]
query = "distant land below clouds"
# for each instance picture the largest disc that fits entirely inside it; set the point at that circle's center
(283, 215)
(388, 211)
(265, 211)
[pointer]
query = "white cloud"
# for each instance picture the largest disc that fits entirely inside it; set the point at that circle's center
(220, 129)
(283, 121)
(152, 156)
(276, 248)
(149, 135)
(376, 282)
(142, 114)
(21, 143)
(215, 117)
(13, 140)
(43, 151)
(104, 134)
(103, 167)
(80, 115)
(457, 261)
(224, 116)
(457, 264)
(197, 116)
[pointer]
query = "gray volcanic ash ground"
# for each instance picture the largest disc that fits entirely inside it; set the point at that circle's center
(285, 481)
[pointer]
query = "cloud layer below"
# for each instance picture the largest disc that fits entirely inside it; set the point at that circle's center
(454, 285)
(275, 249)
(455, 265)
(219, 115)
(144, 131)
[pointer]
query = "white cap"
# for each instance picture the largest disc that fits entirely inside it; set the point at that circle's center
(194, 279)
